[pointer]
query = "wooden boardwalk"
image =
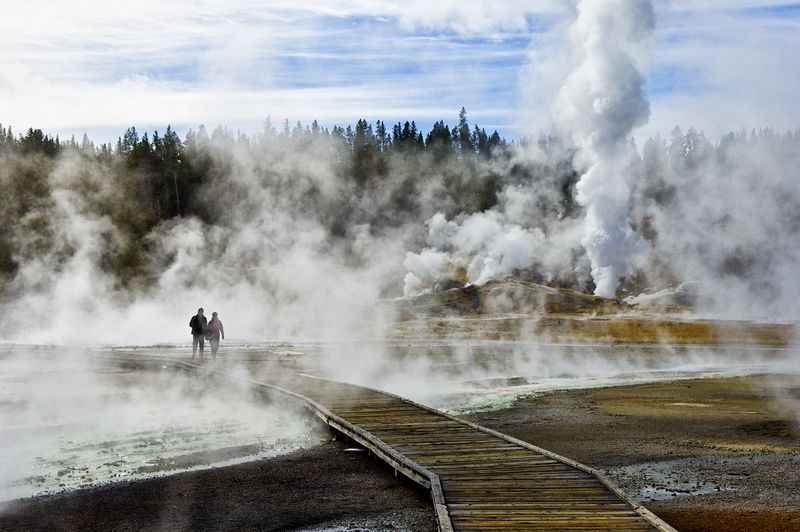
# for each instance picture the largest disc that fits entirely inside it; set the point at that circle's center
(479, 479)
(487, 480)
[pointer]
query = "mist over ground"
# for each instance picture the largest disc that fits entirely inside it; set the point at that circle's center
(319, 241)
(69, 420)
(295, 231)
(283, 231)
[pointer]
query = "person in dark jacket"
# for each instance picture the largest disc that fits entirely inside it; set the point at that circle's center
(215, 329)
(199, 326)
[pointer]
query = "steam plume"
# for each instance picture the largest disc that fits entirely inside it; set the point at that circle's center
(601, 102)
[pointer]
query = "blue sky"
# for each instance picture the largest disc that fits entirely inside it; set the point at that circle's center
(97, 67)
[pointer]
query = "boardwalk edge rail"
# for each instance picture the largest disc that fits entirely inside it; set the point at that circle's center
(649, 516)
(414, 471)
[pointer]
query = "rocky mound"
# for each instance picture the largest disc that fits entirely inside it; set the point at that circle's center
(506, 297)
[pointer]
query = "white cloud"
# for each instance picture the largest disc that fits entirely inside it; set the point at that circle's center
(474, 16)
(744, 70)
(92, 64)
(715, 65)
(142, 100)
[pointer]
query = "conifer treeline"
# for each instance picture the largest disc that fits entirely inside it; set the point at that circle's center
(404, 137)
(175, 167)
(146, 179)
(345, 179)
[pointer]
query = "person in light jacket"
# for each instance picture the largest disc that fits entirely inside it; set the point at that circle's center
(215, 330)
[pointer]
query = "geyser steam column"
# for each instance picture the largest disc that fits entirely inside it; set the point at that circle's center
(600, 103)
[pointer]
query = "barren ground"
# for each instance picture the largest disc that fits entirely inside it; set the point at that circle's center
(710, 454)
(320, 488)
(704, 454)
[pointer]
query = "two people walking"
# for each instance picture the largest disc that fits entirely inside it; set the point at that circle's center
(203, 330)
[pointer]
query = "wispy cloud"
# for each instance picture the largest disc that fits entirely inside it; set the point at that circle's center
(734, 63)
(97, 66)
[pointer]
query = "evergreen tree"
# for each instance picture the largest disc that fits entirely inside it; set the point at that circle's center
(439, 141)
(463, 137)
(129, 140)
(382, 137)
(36, 141)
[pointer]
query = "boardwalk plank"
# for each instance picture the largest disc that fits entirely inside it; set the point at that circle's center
(480, 479)
(489, 483)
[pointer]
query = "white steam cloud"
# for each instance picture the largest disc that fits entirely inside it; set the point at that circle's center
(600, 104)
(491, 245)
(269, 270)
